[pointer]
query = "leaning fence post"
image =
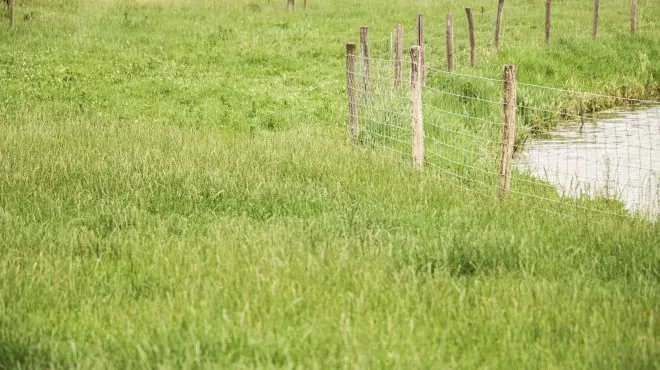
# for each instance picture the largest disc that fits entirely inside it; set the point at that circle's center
(353, 127)
(416, 76)
(548, 19)
(420, 43)
(398, 56)
(473, 46)
(595, 26)
(450, 44)
(365, 59)
(633, 17)
(498, 24)
(508, 129)
(11, 13)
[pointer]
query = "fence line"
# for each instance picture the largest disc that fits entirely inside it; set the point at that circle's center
(519, 20)
(581, 167)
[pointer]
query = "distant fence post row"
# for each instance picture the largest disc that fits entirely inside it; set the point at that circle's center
(497, 41)
(548, 23)
(548, 20)
(416, 112)
(397, 36)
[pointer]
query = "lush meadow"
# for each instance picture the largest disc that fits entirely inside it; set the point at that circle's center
(177, 191)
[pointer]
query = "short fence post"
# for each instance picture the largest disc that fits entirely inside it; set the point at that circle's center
(416, 75)
(498, 24)
(595, 27)
(398, 56)
(633, 17)
(548, 19)
(420, 43)
(508, 129)
(290, 4)
(11, 13)
(365, 59)
(473, 46)
(305, 4)
(353, 127)
(450, 44)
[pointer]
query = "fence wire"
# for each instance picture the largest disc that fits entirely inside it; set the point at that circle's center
(575, 152)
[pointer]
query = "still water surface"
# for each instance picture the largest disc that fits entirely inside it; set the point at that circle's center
(617, 157)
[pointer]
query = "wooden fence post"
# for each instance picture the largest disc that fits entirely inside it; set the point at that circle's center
(416, 76)
(353, 127)
(420, 43)
(450, 43)
(473, 45)
(508, 129)
(548, 19)
(398, 56)
(305, 4)
(595, 27)
(633, 17)
(11, 13)
(365, 57)
(290, 4)
(498, 24)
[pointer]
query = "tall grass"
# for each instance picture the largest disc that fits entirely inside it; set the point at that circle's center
(176, 191)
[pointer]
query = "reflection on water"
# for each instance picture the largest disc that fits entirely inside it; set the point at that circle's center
(617, 158)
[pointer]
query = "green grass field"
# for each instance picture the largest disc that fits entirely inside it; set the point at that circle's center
(177, 191)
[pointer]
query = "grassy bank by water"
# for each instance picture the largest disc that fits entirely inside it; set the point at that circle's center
(176, 191)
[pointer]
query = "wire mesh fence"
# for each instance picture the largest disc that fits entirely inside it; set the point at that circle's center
(384, 107)
(572, 150)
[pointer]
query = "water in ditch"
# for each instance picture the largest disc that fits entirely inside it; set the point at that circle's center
(616, 157)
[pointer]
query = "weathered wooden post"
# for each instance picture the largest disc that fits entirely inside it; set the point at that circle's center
(353, 127)
(595, 26)
(420, 43)
(450, 44)
(508, 130)
(473, 44)
(633, 17)
(398, 56)
(548, 15)
(416, 76)
(290, 4)
(11, 13)
(365, 58)
(498, 24)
